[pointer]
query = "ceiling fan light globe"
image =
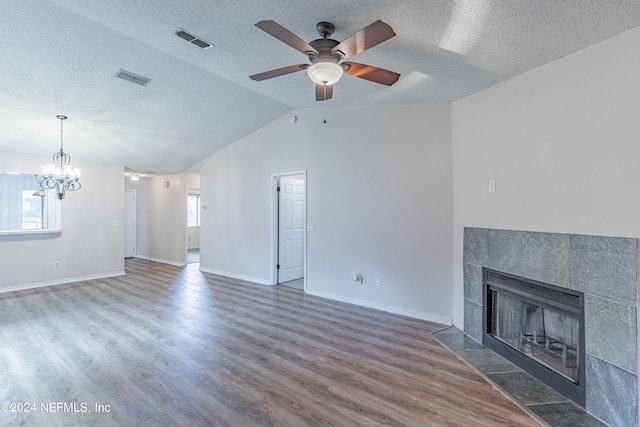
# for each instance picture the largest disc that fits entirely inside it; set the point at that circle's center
(325, 73)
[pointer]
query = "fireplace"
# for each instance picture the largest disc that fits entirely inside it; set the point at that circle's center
(539, 327)
(605, 270)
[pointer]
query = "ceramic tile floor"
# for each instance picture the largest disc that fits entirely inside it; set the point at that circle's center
(549, 405)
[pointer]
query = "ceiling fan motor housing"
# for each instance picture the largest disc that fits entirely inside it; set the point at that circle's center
(324, 46)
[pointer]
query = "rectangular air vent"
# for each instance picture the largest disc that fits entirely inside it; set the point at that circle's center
(132, 77)
(182, 33)
(193, 39)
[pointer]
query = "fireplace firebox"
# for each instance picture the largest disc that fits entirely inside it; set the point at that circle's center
(539, 327)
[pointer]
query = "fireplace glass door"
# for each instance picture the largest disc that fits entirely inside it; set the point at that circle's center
(539, 327)
(543, 334)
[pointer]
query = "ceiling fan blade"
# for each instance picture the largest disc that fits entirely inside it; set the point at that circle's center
(279, 72)
(366, 38)
(286, 36)
(371, 73)
(324, 92)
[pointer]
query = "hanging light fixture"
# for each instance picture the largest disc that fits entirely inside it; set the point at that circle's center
(60, 176)
(325, 72)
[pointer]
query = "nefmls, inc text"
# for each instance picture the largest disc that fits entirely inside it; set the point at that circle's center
(75, 407)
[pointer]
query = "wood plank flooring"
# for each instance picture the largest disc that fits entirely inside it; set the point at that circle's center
(171, 346)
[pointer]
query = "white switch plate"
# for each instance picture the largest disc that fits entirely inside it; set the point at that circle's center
(492, 186)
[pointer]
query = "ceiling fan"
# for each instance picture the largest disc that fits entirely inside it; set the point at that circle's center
(326, 54)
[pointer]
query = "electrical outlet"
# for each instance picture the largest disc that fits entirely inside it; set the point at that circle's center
(56, 264)
(378, 283)
(228, 258)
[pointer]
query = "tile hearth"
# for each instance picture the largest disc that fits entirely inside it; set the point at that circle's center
(555, 409)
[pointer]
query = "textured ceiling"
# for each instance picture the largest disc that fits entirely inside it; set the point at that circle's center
(61, 57)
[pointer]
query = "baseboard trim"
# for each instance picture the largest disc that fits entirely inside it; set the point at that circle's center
(60, 281)
(162, 260)
(383, 307)
(237, 276)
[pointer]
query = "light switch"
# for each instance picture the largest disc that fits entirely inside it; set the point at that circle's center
(492, 186)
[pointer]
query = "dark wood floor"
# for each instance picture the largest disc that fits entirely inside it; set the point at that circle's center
(170, 346)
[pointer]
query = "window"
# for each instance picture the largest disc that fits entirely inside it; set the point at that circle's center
(33, 210)
(25, 206)
(193, 211)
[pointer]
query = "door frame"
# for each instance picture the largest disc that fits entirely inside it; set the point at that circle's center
(274, 225)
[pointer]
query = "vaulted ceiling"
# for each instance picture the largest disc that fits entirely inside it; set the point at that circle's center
(62, 56)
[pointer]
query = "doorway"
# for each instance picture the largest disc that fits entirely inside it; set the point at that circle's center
(193, 225)
(289, 229)
(130, 224)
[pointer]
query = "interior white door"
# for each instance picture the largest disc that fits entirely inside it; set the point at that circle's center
(291, 229)
(130, 224)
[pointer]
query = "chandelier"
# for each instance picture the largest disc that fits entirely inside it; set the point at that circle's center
(60, 176)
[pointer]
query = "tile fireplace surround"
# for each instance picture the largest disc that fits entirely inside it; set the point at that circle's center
(604, 269)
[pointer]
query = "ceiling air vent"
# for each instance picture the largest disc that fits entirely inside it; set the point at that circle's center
(193, 39)
(132, 77)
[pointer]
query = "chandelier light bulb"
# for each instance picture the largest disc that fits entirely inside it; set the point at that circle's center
(325, 73)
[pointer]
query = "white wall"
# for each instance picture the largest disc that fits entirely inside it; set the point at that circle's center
(165, 229)
(88, 246)
(562, 143)
(379, 189)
